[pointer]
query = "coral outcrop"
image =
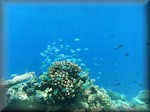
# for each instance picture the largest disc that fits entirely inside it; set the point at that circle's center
(141, 101)
(65, 87)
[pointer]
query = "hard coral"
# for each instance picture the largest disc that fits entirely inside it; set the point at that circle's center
(65, 87)
(65, 79)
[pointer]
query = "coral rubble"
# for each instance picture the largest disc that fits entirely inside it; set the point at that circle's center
(65, 87)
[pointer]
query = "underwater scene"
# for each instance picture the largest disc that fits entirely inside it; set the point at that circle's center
(65, 57)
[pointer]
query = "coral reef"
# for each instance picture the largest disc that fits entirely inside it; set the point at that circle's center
(17, 79)
(64, 79)
(3, 98)
(115, 95)
(65, 87)
(144, 95)
(141, 101)
(119, 102)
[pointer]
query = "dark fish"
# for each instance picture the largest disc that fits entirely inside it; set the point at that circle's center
(129, 88)
(125, 86)
(115, 80)
(119, 46)
(134, 81)
(117, 84)
(106, 84)
(112, 36)
(140, 84)
(126, 54)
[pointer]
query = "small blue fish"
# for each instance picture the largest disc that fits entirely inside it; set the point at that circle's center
(60, 40)
(13, 75)
(63, 90)
(78, 49)
(86, 49)
(77, 39)
(57, 50)
(72, 51)
(54, 43)
(59, 78)
(81, 74)
(64, 67)
(43, 54)
(82, 64)
(86, 69)
(55, 92)
(79, 60)
(85, 86)
(48, 46)
(67, 46)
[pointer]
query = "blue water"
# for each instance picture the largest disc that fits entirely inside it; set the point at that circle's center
(29, 28)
